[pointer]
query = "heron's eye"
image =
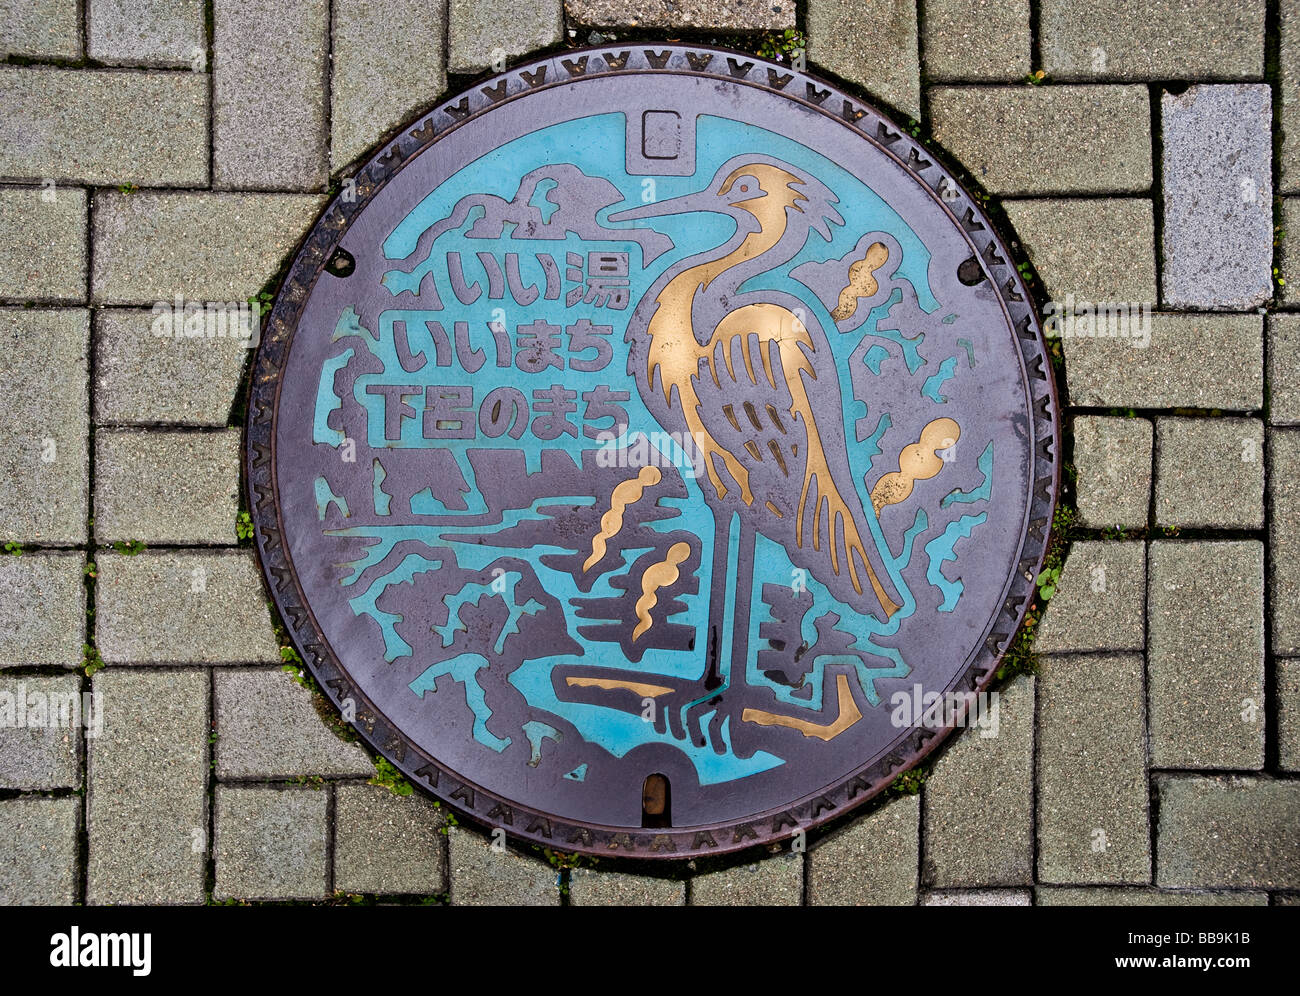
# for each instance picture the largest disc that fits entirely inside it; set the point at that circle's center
(744, 188)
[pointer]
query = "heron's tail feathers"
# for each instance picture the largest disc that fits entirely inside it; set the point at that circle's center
(835, 531)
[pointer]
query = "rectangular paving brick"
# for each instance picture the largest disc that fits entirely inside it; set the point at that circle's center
(1205, 654)
(177, 608)
(982, 791)
(269, 89)
(976, 40)
(1093, 813)
(147, 32)
(1210, 472)
(478, 33)
(44, 472)
(1228, 832)
(1064, 896)
(1289, 84)
(1047, 139)
(1218, 191)
(1113, 460)
(1191, 361)
(166, 487)
(41, 722)
(386, 843)
(774, 881)
(38, 851)
(744, 14)
(104, 127)
(1287, 683)
(205, 247)
(40, 29)
(481, 876)
(976, 897)
(43, 244)
(1284, 539)
(873, 46)
(873, 862)
(42, 609)
(388, 62)
(1155, 40)
(1099, 600)
(271, 843)
(590, 887)
(1284, 368)
(1288, 253)
(147, 801)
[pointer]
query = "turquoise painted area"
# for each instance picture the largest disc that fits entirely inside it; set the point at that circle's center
(324, 496)
(463, 669)
(981, 493)
(876, 355)
(578, 774)
(935, 381)
(970, 351)
(536, 731)
(327, 401)
(382, 498)
(471, 594)
(941, 549)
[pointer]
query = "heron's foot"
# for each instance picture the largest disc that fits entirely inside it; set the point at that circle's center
(685, 715)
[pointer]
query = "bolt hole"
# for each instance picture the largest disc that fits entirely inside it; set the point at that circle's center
(656, 802)
(970, 272)
(341, 264)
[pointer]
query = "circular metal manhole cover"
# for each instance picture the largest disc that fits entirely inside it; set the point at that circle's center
(643, 441)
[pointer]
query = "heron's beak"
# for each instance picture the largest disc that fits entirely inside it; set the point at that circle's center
(698, 201)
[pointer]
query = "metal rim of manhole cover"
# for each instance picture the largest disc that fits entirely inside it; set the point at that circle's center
(652, 450)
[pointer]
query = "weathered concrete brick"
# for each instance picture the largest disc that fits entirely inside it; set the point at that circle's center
(873, 46)
(1287, 683)
(166, 487)
(43, 244)
(268, 727)
(1192, 361)
(1064, 896)
(976, 39)
(38, 851)
(1284, 539)
(1093, 818)
(743, 14)
(588, 887)
(479, 33)
(387, 844)
(40, 731)
(481, 876)
(1288, 252)
(1289, 84)
(44, 475)
(388, 62)
(775, 881)
(147, 32)
(1205, 656)
(49, 29)
(42, 609)
(268, 91)
(1210, 472)
(870, 863)
(1113, 460)
(147, 798)
(1218, 187)
(1090, 251)
(1099, 601)
(977, 897)
(978, 801)
(1284, 369)
(1228, 832)
(271, 843)
(168, 608)
(104, 127)
(1157, 40)
(205, 247)
(1048, 140)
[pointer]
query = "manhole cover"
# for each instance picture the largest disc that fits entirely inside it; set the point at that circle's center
(644, 442)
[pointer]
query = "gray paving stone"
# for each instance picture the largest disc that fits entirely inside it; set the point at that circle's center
(976, 40)
(42, 609)
(478, 33)
(269, 71)
(388, 63)
(1090, 251)
(144, 379)
(1288, 252)
(481, 876)
(1284, 369)
(1218, 196)
(176, 607)
(977, 897)
(870, 863)
(104, 127)
(204, 247)
(874, 46)
(271, 843)
(1205, 654)
(1064, 896)
(743, 14)
(1210, 472)
(1156, 40)
(979, 801)
(1287, 683)
(1113, 459)
(47, 29)
(1099, 600)
(147, 32)
(1228, 832)
(775, 881)
(38, 851)
(147, 800)
(44, 475)
(1284, 539)
(1013, 139)
(1190, 361)
(268, 727)
(166, 487)
(43, 244)
(1289, 85)
(387, 844)
(588, 887)
(40, 731)
(1093, 813)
